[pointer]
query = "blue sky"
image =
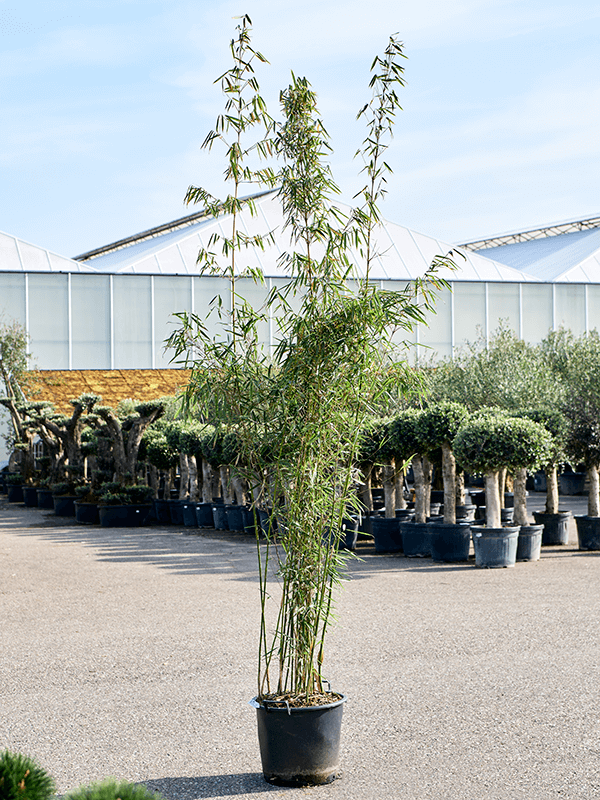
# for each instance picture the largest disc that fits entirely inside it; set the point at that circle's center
(104, 105)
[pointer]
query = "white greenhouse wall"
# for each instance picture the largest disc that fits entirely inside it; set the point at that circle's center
(90, 321)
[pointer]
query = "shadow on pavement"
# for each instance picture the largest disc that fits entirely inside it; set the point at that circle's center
(211, 786)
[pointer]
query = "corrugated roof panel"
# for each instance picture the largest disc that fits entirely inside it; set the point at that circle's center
(171, 261)
(17, 255)
(548, 258)
(9, 254)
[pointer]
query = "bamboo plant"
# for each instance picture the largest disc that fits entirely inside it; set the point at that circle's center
(298, 412)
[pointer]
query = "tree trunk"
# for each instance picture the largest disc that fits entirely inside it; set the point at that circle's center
(184, 477)
(193, 468)
(239, 487)
(364, 490)
(389, 490)
(226, 487)
(427, 475)
(460, 488)
(551, 490)
(153, 480)
(169, 483)
(492, 500)
(449, 478)
(422, 473)
(207, 482)
(399, 480)
(501, 485)
(520, 491)
(594, 492)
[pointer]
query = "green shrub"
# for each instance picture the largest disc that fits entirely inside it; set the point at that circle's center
(14, 480)
(21, 778)
(139, 495)
(111, 789)
(66, 488)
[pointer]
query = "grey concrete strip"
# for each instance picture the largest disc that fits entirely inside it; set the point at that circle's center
(132, 653)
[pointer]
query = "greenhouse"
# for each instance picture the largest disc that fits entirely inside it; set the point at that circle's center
(111, 308)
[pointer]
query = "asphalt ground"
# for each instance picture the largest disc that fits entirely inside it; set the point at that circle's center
(131, 652)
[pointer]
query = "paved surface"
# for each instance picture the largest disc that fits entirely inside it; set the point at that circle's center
(132, 653)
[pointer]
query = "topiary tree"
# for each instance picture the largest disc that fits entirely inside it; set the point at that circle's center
(438, 425)
(156, 451)
(408, 445)
(555, 422)
(126, 432)
(190, 446)
(22, 778)
(577, 361)
(489, 442)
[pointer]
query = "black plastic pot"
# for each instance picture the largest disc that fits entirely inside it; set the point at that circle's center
(235, 521)
(495, 547)
(416, 539)
(348, 535)
(300, 746)
(64, 505)
(571, 482)
(14, 492)
(248, 521)
(162, 511)
(556, 527)
(404, 514)
(30, 496)
(529, 543)
(386, 533)
(466, 513)
(506, 515)
(176, 511)
(588, 532)
(268, 522)
(128, 516)
(449, 543)
(44, 498)
(219, 518)
(204, 515)
(87, 513)
(189, 515)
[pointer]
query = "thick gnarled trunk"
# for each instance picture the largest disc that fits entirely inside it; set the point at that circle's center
(594, 491)
(389, 489)
(551, 490)
(492, 500)
(422, 472)
(449, 478)
(520, 492)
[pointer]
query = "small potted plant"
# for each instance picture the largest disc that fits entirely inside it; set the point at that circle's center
(124, 506)
(86, 505)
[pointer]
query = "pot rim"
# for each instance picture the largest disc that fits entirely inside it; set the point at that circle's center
(294, 709)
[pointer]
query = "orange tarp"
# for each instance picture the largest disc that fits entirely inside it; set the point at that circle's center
(59, 386)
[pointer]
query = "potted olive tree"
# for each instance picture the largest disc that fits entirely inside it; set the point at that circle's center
(577, 362)
(489, 442)
(438, 425)
(555, 520)
(312, 393)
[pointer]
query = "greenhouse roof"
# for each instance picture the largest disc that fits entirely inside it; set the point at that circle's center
(172, 249)
(567, 252)
(17, 255)
(563, 252)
